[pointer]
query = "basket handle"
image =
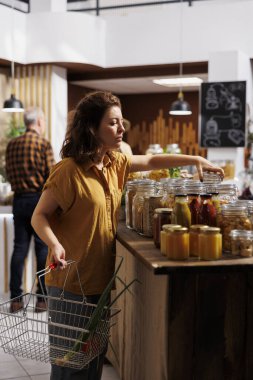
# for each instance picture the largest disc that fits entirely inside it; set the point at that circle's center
(48, 269)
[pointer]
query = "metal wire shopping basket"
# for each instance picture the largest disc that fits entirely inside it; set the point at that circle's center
(60, 334)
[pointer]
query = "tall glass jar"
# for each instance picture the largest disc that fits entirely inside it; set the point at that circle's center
(193, 191)
(161, 216)
(150, 203)
(144, 188)
(234, 217)
(207, 211)
(131, 188)
(210, 244)
(181, 213)
(154, 149)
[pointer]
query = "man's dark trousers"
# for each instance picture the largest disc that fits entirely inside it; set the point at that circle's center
(23, 207)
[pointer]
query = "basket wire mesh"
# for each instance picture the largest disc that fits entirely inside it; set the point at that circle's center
(57, 333)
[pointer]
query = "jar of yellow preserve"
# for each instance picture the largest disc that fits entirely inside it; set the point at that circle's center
(179, 244)
(210, 244)
(195, 231)
(168, 243)
(163, 238)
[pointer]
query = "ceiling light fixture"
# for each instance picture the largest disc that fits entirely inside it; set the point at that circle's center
(180, 107)
(12, 104)
(184, 81)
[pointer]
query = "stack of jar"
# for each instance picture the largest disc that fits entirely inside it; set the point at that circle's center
(201, 209)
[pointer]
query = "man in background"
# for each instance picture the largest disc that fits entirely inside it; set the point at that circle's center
(29, 159)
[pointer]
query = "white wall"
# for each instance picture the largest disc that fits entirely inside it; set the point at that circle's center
(128, 39)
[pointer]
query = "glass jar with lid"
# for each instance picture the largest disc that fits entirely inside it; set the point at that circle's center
(234, 217)
(165, 243)
(195, 231)
(210, 243)
(211, 178)
(144, 188)
(207, 211)
(241, 243)
(178, 243)
(227, 193)
(173, 149)
(154, 149)
(181, 213)
(193, 192)
(161, 217)
(131, 188)
(150, 203)
(170, 187)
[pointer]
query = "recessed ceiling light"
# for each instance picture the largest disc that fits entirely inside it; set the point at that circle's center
(183, 81)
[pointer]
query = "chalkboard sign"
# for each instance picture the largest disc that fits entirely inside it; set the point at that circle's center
(222, 117)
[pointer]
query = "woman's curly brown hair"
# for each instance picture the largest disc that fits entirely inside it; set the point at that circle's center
(83, 123)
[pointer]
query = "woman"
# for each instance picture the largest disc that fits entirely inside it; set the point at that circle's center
(77, 213)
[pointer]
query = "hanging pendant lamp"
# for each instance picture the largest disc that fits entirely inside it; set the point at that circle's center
(180, 107)
(13, 104)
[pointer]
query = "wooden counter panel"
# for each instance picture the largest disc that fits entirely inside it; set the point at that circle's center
(143, 248)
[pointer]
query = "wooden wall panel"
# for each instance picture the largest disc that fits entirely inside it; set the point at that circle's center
(33, 88)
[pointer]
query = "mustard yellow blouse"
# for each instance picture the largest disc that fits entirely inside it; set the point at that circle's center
(86, 221)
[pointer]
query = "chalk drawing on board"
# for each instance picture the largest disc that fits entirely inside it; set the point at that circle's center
(222, 114)
(212, 134)
(221, 96)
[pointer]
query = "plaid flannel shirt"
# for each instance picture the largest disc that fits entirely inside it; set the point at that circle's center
(29, 159)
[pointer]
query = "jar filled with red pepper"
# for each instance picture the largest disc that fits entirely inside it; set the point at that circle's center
(193, 192)
(207, 212)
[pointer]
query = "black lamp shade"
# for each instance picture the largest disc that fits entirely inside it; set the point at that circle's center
(13, 105)
(180, 107)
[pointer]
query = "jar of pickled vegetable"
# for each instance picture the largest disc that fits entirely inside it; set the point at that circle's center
(195, 231)
(181, 213)
(234, 217)
(161, 216)
(207, 212)
(241, 243)
(210, 244)
(144, 188)
(178, 244)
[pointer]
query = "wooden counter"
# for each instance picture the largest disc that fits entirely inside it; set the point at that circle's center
(185, 320)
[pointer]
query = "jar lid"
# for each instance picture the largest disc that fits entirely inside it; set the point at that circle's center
(211, 230)
(179, 229)
(211, 177)
(170, 227)
(198, 227)
(163, 210)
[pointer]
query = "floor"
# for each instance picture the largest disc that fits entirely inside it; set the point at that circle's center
(15, 368)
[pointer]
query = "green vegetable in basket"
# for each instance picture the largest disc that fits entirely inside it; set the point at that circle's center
(95, 319)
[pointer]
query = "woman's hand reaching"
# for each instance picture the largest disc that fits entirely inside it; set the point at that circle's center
(204, 165)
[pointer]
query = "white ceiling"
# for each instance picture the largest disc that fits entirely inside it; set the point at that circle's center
(139, 85)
